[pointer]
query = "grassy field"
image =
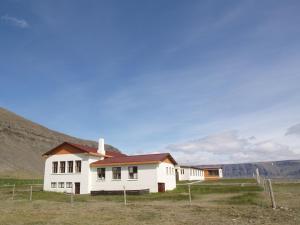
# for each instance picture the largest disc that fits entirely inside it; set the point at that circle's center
(211, 204)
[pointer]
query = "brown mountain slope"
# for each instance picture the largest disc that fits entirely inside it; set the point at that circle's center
(22, 143)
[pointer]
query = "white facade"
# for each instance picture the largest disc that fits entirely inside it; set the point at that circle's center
(84, 177)
(148, 175)
(190, 173)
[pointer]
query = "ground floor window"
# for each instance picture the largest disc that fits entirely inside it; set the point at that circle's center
(133, 172)
(61, 184)
(116, 171)
(53, 184)
(69, 184)
(101, 173)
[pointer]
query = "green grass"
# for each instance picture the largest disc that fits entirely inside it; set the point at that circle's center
(248, 198)
(179, 194)
(12, 181)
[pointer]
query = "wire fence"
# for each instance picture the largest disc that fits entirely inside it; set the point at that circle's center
(189, 192)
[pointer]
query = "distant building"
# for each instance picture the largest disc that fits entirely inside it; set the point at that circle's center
(189, 173)
(212, 172)
(198, 173)
(81, 169)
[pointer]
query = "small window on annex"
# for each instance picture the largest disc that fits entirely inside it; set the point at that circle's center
(133, 172)
(53, 184)
(101, 173)
(116, 171)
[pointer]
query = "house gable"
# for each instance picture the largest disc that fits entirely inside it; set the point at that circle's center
(64, 148)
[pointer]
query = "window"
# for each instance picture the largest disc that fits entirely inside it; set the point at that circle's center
(167, 170)
(70, 166)
(53, 184)
(61, 184)
(62, 166)
(116, 173)
(69, 184)
(54, 167)
(213, 172)
(101, 173)
(173, 172)
(133, 172)
(78, 166)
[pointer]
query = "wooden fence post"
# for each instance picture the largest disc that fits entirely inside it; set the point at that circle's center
(190, 196)
(271, 194)
(13, 192)
(125, 201)
(30, 196)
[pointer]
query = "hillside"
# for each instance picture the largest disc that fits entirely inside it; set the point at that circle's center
(22, 143)
(282, 169)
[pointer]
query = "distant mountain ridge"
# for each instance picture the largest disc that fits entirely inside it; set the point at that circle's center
(22, 143)
(274, 169)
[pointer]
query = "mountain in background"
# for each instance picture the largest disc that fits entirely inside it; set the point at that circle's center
(275, 169)
(22, 143)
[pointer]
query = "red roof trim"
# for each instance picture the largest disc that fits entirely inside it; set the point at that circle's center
(153, 158)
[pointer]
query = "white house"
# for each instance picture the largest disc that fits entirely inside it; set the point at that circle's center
(81, 169)
(190, 173)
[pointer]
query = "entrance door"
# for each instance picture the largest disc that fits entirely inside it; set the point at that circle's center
(77, 188)
(161, 187)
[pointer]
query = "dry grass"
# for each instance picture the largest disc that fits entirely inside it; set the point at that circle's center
(231, 206)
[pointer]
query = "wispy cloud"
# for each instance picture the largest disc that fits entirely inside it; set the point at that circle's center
(229, 147)
(15, 21)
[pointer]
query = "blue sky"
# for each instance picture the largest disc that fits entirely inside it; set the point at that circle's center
(208, 81)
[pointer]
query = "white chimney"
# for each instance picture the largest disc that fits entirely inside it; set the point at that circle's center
(101, 149)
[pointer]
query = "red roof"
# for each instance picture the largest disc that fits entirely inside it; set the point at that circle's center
(135, 159)
(88, 149)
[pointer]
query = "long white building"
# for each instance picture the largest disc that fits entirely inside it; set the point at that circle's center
(81, 169)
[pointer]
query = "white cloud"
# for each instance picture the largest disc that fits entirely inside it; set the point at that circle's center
(15, 21)
(229, 147)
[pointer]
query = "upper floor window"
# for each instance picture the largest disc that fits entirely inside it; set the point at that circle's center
(62, 167)
(116, 171)
(133, 172)
(78, 166)
(70, 166)
(54, 167)
(101, 173)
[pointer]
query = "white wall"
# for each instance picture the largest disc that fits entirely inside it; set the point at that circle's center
(149, 175)
(168, 178)
(83, 178)
(147, 179)
(191, 174)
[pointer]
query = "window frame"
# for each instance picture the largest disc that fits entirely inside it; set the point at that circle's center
(70, 167)
(61, 184)
(68, 185)
(53, 184)
(102, 172)
(133, 173)
(62, 169)
(117, 169)
(55, 167)
(78, 165)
